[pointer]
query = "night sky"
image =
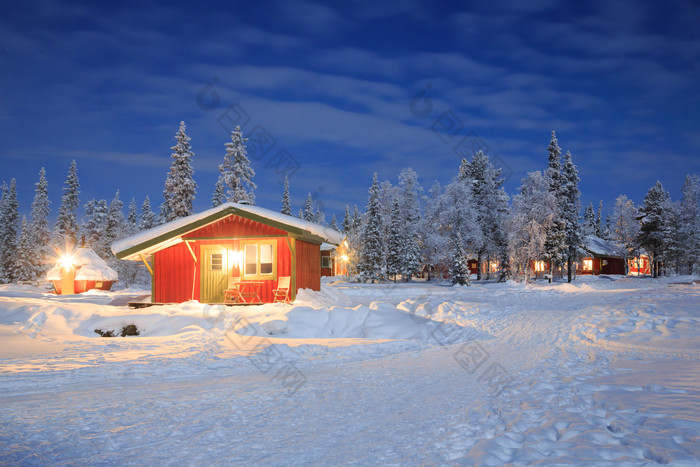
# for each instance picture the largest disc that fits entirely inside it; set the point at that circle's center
(333, 93)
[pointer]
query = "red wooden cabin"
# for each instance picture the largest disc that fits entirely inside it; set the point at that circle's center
(192, 258)
(602, 258)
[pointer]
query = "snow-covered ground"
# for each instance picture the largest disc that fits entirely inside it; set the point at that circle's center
(602, 371)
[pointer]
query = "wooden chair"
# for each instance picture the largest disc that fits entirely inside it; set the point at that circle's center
(281, 293)
(233, 293)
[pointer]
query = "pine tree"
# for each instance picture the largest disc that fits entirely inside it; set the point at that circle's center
(300, 214)
(309, 214)
(588, 228)
(148, 217)
(132, 220)
(319, 217)
(372, 259)
(555, 244)
(65, 232)
(115, 226)
(40, 234)
(219, 196)
(94, 225)
(286, 204)
(395, 242)
(690, 222)
(434, 246)
(180, 187)
(25, 268)
(458, 219)
(334, 223)
(571, 203)
(9, 224)
(491, 203)
(356, 219)
(599, 220)
(347, 220)
(236, 174)
(625, 227)
(409, 194)
(652, 217)
(459, 269)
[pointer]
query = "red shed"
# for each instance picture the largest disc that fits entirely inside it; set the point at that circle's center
(192, 258)
(602, 257)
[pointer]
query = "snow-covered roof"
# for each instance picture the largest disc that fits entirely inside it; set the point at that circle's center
(88, 267)
(170, 233)
(600, 247)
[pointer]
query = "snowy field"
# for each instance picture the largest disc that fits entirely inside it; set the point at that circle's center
(603, 372)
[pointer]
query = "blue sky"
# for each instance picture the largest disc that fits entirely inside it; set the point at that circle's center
(344, 91)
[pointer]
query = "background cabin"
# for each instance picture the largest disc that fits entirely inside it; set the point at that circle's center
(602, 257)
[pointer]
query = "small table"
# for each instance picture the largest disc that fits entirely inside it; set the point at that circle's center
(251, 290)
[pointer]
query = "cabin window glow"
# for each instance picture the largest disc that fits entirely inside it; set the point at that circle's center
(266, 259)
(251, 259)
(259, 260)
(539, 266)
(588, 264)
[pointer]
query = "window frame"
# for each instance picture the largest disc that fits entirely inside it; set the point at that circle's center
(327, 260)
(258, 275)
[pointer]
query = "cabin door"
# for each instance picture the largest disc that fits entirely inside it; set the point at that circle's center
(214, 278)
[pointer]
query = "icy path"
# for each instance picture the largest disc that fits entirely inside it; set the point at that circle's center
(602, 374)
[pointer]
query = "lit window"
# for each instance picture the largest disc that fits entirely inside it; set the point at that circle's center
(266, 259)
(259, 260)
(251, 260)
(588, 264)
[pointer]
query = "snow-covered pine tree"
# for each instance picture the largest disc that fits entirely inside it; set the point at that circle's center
(555, 244)
(219, 196)
(531, 215)
(606, 228)
(491, 203)
(673, 250)
(148, 217)
(319, 217)
(334, 223)
(599, 220)
(652, 218)
(356, 219)
(347, 220)
(9, 225)
(236, 174)
(65, 232)
(94, 225)
(690, 222)
(458, 221)
(180, 187)
(571, 209)
(409, 194)
(114, 228)
(309, 214)
(132, 220)
(39, 228)
(286, 203)
(588, 227)
(625, 227)
(395, 242)
(433, 245)
(459, 268)
(25, 270)
(300, 214)
(372, 263)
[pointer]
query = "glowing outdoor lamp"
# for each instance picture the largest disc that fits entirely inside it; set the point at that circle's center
(68, 274)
